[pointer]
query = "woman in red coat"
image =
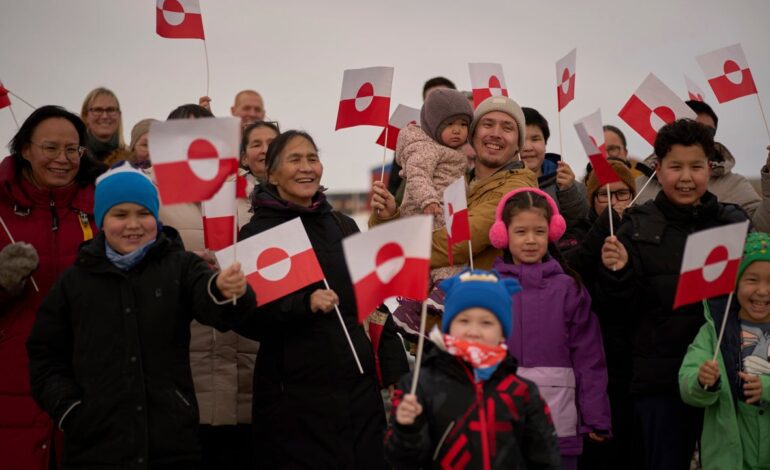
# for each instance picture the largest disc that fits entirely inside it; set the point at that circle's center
(46, 206)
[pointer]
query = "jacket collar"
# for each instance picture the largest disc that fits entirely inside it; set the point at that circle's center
(529, 274)
(265, 196)
(92, 253)
(706, 210)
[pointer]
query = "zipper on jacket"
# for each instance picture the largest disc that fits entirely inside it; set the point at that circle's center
(483, 424)
(54, 216)
(181, 397)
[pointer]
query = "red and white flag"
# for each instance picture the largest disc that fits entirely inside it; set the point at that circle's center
(220, 213)
(456, 215)
(276, 262)
(402, 116)
(652, 106)
(694, 92)
(565, 79)
(728, 73)
(5, 100)
(389, 260)
(487, 80)
(365, 99)
(179, 19)
(192, 158)
(710, 263)
(591, 135)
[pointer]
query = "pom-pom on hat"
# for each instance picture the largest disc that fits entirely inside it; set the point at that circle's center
(477, 288)
(124, 183)
(757, 248)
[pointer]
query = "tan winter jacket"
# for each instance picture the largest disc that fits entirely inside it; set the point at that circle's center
(222, 363)
(727, 186)
(428, 168)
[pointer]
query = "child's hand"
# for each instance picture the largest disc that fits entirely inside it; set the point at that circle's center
(752, 387)
(323, 300)
(433, 209)
(708, 374)
(596, 438)
(232, 282)
(564, 176)
(408, 410)
(204, 102)
(614, 254)
(383, 201)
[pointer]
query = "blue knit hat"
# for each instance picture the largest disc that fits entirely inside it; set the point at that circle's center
(477, 288)
(124, 183)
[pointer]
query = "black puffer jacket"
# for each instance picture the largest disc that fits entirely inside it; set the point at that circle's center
(655, 235)
(501, 423)
(109, 355)
(312, 408)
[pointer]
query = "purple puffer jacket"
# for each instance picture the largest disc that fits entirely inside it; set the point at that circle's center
(558, 343)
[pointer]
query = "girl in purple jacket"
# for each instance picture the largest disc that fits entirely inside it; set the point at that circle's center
(556, 336)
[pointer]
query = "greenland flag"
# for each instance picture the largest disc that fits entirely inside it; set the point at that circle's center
(220, 213)
(365, 99)
(456, 215)
(5, 100)
(486, 80)
(565, 78)
(694, 92)
(652, 106)
(192, 158)
(276, 262)
(710, 263)
(389, 260)
(591, 134)
(402, 116)
(728, 73)
(179, 19)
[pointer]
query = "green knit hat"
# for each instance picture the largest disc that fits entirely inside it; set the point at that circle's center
(757, 249)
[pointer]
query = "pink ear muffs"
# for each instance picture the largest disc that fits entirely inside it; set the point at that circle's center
(498, 233)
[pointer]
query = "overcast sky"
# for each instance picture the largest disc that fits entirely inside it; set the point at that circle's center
(294, 53)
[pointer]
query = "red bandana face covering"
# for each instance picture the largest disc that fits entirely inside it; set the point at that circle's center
(484, 359)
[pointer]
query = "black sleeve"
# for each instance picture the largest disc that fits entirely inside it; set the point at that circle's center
(540, 445)
(392, 354)
(50, 349)
(408, 447)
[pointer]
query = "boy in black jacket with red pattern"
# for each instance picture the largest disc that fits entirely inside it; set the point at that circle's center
(471, 410)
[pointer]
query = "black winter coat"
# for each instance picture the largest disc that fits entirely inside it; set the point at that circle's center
(654, 235)
(109, 355)
(312, 408)
(501, 423)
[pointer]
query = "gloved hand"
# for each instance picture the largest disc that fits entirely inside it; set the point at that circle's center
(755, 365)
(17, 262)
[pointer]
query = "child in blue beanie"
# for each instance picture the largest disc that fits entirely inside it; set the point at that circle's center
(470, 409)
(109, 352)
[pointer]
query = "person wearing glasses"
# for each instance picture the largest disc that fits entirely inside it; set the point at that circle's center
(46, 210)
(102, 116)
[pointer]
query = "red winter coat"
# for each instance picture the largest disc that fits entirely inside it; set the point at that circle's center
(26, 432)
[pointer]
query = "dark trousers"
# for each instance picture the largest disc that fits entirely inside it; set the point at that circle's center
(669, 429)
(226, 447)
(620, 451)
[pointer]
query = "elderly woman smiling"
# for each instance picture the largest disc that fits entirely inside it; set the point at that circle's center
(312, 407)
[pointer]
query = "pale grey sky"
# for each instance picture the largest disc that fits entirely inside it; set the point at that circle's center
(294, 53)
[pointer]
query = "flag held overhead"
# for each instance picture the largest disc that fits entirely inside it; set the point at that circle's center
(728, 73)
(365, 99)
(389, 260)
(565, 79)
(179, 19)
(710, 263)
(486, 80)
(591, 134)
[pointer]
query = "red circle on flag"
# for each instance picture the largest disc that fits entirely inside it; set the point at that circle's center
(494, 82)
(450, 209)
(665, 113)
(201, 149)
(389, 261)
(364, 96)
(716, 262)
(387, 252)
(273, 264)
(565, 75)
(173, 12)
(731, 66)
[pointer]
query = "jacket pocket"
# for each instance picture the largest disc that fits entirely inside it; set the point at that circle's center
(557, 386)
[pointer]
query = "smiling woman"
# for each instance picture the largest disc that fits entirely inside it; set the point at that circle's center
(103, 118)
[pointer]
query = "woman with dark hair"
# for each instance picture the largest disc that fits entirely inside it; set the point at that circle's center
(312, 407)
(46, 204)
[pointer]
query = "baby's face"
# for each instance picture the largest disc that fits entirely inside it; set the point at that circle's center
(477, 324)
(754, 292)
(455, 134)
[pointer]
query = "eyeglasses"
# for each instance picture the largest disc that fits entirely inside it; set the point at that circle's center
(51, 151)
(112, 112)
(619, 195)
(614, 150)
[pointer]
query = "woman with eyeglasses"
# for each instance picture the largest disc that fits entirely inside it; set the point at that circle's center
(102, 116)
(46, 207)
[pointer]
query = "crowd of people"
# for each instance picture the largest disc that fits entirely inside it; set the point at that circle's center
(121, 344)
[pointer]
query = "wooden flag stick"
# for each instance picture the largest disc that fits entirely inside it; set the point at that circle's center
(235, 236)
(206, 54)
(420, 345)
(10, 237)
(10, 108)
(561, 145)
(347, 335)
(470, 253)
(609, 210)
(384, 155)
(722, 329)
(20, 98)
(652, 176)
(764, 118)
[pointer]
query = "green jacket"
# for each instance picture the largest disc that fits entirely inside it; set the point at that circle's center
(727, 441)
